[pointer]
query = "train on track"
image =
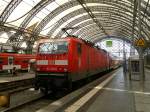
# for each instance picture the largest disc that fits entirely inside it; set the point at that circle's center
(12, 60)
(60, 62)
(9, 61)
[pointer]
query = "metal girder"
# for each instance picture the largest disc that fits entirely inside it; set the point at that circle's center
(114, 22)
(80, 11)
(146, 31)
(30, 16)
(112, 37)
(87, 34)
(53, 14)
(121, 5)
(89, 31)
(117, 19)
(64, 7)
(8, 10)
(4, 28)
(106, 24)
(77, 20)
(80, 26)
(143, 8)
(65, 19)
(113, 18)
(98, 9)
(85, 23)
(86, 27)
(134, 17)
(93, 17)
(90, 34)
(34, 11)
(96, 38)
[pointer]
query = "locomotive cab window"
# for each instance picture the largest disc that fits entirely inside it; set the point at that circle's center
(57, 47)
(79, 48)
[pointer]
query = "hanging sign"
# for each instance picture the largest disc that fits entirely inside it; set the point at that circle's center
(140, 42)
(109, 43)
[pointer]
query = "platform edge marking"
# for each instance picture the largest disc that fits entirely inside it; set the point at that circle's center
(88, 96)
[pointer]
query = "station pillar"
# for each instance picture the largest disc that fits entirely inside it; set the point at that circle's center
(124, 59)
(140, 48)
(141, 64)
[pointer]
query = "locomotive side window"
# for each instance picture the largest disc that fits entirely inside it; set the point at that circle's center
(79, 48)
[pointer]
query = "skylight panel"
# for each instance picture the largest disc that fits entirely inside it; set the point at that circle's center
(3, 4)
(24, 45)
(21, 11)
(47, 10)
(65, 23)
(43, 13)
(54, 20)
(3, 38)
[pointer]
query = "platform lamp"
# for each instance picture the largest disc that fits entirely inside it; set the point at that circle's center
(4, 100)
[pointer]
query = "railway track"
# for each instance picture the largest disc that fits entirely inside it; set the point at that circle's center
(29, 100)
(13, 88)
(19, 98)
(32, 106)
(32, 101)
(13, 85)
(21, 95)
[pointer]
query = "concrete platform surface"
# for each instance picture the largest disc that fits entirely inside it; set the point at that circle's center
(118, 95)
(19, 76)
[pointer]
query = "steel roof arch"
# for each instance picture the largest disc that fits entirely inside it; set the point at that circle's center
(65, 7)
(73, 14)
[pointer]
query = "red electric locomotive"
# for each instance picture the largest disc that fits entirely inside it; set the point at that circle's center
(63, 61)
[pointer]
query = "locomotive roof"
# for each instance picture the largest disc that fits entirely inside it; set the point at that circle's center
(70, 38)
(58, 39)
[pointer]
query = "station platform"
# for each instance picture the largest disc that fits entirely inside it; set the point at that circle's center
(117, 94)
(147, 66)
(19, 76)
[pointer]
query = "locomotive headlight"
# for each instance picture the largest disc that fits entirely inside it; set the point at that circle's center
(38, 69)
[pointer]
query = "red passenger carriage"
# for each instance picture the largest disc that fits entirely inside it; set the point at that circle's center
(19, 61)
(9, 59)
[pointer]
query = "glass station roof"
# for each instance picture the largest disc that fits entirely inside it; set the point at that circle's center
(28, 20)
